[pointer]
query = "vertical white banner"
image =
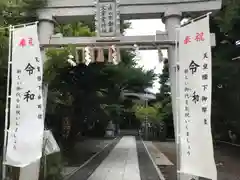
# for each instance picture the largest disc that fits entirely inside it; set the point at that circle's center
(25, 133)
(195, 81)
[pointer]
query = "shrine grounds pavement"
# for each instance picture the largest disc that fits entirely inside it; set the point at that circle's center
(125, 158)
(129, 158)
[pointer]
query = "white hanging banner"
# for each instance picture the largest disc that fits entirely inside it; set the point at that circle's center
(195, 82)
(25, 133)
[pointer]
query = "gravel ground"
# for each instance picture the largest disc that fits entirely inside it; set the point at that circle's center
(85, 150)
(227, 159)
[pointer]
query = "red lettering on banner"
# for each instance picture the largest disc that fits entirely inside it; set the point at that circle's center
(187, 40)
(23, 42)
(199, 36)
(30, 41)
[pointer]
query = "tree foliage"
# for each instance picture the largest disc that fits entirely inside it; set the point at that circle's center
(88, 95)
(150, 112)
(226, 90)
(165, 98)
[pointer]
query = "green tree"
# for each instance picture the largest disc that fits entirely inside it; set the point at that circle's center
(152, 115)
(226, 90)
(165, 98)
(142, 112)
(85, 94)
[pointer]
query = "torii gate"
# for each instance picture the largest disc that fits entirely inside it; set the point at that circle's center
(171, 11)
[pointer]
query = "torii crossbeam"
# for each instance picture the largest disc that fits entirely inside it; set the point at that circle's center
(148, 42)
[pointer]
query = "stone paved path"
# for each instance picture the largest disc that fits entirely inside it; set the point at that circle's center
(121, 163)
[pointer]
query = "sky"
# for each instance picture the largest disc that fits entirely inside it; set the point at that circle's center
(148, 58)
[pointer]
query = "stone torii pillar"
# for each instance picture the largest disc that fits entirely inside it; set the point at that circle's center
(172, 19)
(45, 30)
(46, 26)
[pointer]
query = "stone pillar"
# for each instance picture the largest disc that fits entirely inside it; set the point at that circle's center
(172, 19)
(45, 29)
(46, 26)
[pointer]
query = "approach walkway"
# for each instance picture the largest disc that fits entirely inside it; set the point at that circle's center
(121, 163)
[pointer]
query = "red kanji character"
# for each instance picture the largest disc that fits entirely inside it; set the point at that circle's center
(187, 40)
(30, 41)
(199, 36)
(22, 42)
